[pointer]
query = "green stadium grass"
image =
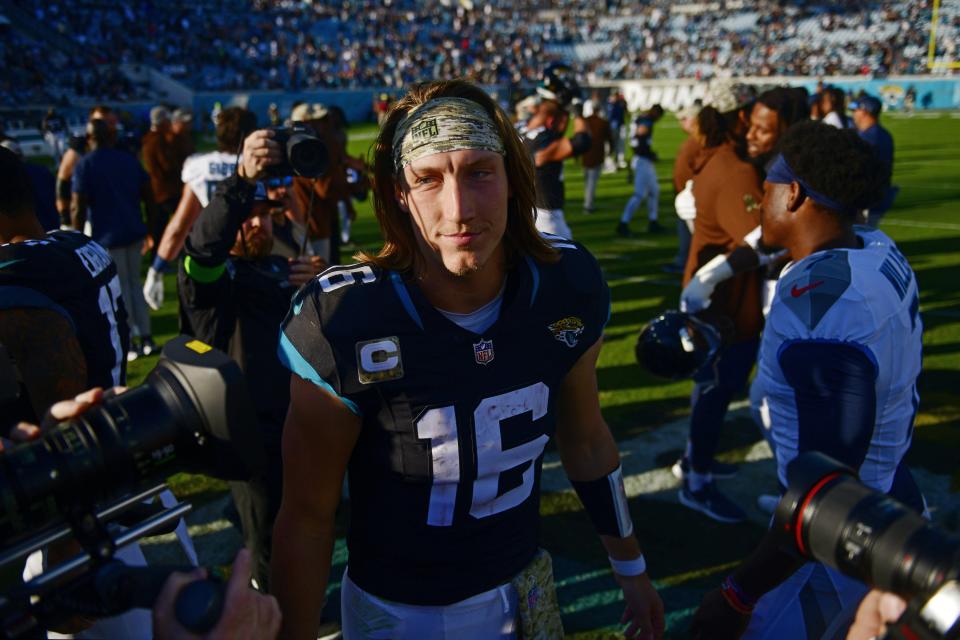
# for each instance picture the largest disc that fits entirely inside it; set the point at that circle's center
(686, 552)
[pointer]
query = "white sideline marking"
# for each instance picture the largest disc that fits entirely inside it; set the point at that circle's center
(214, 526)
(942, 226)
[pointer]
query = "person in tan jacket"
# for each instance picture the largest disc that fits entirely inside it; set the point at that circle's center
(318, 197)
(163, 158)
(727, 191)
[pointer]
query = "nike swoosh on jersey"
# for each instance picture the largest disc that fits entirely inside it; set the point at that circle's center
(3, 265)
(796, 291)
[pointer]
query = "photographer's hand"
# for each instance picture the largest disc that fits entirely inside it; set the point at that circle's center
(58, 412)
(304, 268)
(876, 610)
(247, 614)
(67, 409)
(259, 152)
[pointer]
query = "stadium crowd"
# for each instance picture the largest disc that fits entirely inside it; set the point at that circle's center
(281, 44)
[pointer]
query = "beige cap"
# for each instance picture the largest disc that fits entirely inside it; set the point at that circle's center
(159, 114)
(723, 94)
(182, 115)
(307, 112)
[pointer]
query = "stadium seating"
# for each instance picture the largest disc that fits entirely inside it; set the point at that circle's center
(295, 45)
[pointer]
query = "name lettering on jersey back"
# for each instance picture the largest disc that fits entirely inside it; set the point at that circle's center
(94, 257)
(897, 271)
(221, 169)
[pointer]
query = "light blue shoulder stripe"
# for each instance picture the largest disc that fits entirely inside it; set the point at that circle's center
(535, 272)
(291, 359)
(404, 296)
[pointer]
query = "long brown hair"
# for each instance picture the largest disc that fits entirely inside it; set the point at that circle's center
(399, 251)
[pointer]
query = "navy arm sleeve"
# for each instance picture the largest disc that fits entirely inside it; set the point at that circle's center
(215, 231)
(834, 384)
(204, 286)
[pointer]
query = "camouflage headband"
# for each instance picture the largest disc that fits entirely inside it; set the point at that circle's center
(444, 124)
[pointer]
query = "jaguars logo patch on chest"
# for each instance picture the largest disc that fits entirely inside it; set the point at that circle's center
(567, 330)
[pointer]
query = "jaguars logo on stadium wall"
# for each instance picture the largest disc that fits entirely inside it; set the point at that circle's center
(892, 95)
(567, 330)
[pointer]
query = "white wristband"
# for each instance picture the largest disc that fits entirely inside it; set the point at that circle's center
(629, 568)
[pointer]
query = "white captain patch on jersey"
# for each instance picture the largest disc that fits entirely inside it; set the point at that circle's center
(203, 171)
(864, 297)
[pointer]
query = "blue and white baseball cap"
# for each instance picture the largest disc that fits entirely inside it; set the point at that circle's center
(868, 103)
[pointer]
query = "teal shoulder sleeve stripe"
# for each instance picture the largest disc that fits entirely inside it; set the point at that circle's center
(292, 360)
(200, 273)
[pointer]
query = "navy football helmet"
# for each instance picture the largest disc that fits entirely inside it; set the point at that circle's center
(676, 345)
(559, 83)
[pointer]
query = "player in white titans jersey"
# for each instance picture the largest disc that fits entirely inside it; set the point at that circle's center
(201, 174)
(837, 373)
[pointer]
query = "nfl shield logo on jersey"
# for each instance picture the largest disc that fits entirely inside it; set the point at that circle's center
(483, 351)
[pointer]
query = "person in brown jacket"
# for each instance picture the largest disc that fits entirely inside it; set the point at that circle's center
(318, 198)
(727, 191)
(592, 160)
(682, 174)
(163, 158)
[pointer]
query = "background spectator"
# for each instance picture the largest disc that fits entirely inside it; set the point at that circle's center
(108, 187)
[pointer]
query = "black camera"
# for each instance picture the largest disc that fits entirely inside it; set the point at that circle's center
(827, 515)
(304, 154)
(83, 478)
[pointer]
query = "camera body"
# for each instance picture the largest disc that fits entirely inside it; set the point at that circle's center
(827, 515)
(304, 153)
(193, 413)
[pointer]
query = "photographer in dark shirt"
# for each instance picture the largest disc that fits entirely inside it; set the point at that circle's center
(236, 294)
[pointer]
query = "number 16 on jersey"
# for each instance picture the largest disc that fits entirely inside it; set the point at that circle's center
(439, 425)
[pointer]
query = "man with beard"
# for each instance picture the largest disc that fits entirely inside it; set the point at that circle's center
(770, 117)
(235, 294)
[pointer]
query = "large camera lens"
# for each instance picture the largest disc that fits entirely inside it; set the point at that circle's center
(192, 413)
(304, 154)
(827, 515)
(307, 155)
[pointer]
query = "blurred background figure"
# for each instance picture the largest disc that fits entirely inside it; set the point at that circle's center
(601, 146)
(163, 156)
(108, 187)
(832, 108)
(645, 185)
(866, 118)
